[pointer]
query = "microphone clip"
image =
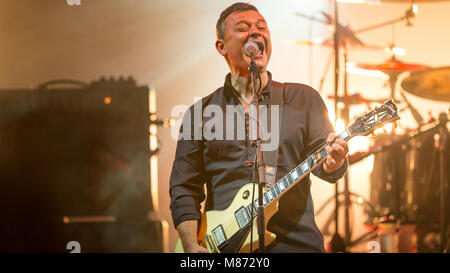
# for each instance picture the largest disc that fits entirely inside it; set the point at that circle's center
(252, 67)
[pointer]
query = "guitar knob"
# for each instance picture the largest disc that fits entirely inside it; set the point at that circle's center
(246, 194)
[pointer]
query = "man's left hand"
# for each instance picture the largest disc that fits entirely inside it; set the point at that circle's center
(337, 153)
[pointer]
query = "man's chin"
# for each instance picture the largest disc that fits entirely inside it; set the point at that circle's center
(262, 69)
(261, 65)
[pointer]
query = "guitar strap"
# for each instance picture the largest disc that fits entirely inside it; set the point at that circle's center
(271, 157)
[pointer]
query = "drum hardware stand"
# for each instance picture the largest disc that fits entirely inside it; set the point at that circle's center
(440, 127)
(345, 111)
(345, 114)
(409, 14)
(337, 243)
(443, 172)
(393, 77)
(438, 157)
(370, 235)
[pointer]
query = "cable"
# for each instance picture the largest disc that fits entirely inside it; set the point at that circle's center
(255, 161)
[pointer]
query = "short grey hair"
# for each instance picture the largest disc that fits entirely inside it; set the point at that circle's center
(239, 6)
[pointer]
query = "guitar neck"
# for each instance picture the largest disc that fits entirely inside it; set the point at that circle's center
(296, 174)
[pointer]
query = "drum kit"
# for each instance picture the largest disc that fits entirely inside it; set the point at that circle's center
(409, 181)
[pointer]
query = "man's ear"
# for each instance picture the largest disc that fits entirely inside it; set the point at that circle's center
(220, 46)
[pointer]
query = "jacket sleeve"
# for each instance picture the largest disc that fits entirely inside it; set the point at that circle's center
(187, 178)
(319, 126)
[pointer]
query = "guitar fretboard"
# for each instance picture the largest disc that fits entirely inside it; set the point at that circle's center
(294, 176)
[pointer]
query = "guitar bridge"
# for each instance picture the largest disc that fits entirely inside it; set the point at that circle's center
(211, 246)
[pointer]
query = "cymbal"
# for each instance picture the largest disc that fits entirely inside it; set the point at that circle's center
(431, 84)
(356, 98)
(392, 65)
(347, 36)
(329, 43)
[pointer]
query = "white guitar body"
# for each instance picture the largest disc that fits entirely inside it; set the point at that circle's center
(211, 219)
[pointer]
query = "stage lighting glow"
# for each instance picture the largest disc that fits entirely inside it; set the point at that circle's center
(415, 9)
(340, 126)
(397, 51)
(358, 144)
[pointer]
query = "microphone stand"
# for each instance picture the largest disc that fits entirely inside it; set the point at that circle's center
(259, 172)
(337, 243)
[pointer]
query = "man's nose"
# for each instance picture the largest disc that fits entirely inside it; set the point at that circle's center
(254, 32)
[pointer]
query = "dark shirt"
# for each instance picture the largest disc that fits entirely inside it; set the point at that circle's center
(221, 164)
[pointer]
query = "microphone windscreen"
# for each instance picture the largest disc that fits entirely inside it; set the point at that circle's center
(250, 48)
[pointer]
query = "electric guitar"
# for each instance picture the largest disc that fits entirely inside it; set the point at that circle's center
(228, 230)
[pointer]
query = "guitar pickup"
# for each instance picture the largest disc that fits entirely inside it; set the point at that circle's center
(218, 235)
(241, 217)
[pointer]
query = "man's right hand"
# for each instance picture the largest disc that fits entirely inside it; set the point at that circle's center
(187, 231)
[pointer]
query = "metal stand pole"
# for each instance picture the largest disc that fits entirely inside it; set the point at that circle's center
(443, 178)
(259, 161)
(337, 244)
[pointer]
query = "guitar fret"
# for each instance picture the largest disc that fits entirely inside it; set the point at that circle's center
(266, 199)
(294, 175)
(289, 180)
(305, 166)
(299, 171)
(277, 189)
(345, 135)
(282, 185)
(274, 193)
(285, 183)
(269, 194)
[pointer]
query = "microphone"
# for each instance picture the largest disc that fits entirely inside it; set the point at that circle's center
(250, 49)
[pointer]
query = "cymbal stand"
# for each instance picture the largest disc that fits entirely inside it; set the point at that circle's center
(406, 17)
(345, 115)
(393, 77)
(443, 172)
(337, 243)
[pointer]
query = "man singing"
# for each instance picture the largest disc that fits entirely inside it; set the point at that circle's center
(223, 164)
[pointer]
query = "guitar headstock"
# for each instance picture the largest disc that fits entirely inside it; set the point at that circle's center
(367, 123)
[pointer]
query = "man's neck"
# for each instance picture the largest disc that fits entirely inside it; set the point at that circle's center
(243, 84)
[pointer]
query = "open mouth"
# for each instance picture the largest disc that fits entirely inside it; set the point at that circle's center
(261, 49)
